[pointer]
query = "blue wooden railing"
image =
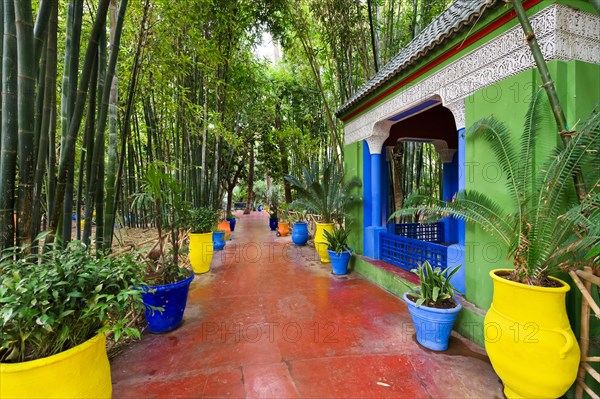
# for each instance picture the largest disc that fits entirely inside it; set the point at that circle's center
(407, 245)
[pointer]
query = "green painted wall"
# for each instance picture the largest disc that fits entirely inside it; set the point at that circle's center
(579, 90)
(353, 167)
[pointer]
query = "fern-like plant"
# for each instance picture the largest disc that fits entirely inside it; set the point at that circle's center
(545, 229)
(323, 191)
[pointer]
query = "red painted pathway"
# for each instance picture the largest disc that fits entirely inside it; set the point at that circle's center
(269, 321)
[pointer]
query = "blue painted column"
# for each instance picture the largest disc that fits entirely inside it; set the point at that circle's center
(376, 190)
(456, 253)
(372, 232)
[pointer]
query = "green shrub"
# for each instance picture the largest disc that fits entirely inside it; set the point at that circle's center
(62, 298)
(203, 220)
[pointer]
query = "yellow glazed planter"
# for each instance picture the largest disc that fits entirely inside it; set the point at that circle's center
(80, 372)
(320, 245)
(529, 339)
(201, 252)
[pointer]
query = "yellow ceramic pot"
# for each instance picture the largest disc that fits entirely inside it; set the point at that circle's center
(201, 252)
(529, 339)
(80, 372)
(226, 227)
(320, 241)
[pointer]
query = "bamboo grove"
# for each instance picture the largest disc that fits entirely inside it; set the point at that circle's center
(94, 92)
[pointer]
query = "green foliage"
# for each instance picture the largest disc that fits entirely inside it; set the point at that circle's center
(324, 191)
(337, 240)
(64, 299)
(166, 195)
(203, 220)
(546, 230)
(274, 198)
(435, 286)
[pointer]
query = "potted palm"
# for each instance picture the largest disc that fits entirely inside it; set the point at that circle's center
(167, 283)
(338, 249)
(201, 223)
(324, 191)
(57, 309)
(432, 306)
(545, 231)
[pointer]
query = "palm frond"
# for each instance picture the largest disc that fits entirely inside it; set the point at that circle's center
(499, 137)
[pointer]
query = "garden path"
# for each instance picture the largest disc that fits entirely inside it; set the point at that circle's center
(270, 321)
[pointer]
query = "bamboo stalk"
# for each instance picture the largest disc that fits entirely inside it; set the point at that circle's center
(75, 123)
(548, 85)
(26, 111)
(8, 160)
(588, 276)
(591, 371)
(585, 292)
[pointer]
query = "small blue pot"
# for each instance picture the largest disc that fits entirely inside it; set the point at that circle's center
(260, 208)
(273, 222)
(433, 326)
(231, 223)
(300, 233)
(218, 239)
(172, 298)
(339, 262)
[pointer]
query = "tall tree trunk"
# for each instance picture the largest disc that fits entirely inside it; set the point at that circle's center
(250, 193)
(8, 161)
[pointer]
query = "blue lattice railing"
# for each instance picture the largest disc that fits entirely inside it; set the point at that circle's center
(430, 232)
(408, 253)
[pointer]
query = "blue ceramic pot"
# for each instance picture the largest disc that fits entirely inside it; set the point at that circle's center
(260, 208)
(433, 326)
(172, 298)
(273, 223)
(300, 233)
(231, 223)
(339, 262)
(218, 240)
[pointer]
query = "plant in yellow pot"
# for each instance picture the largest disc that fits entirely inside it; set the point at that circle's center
(202, 222)
(324, 191)
(57, 308)
(527, 333)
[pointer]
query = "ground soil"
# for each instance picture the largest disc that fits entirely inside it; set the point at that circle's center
(445, 304)
(545, 282)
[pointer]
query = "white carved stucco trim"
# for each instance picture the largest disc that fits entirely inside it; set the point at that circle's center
(563, 33)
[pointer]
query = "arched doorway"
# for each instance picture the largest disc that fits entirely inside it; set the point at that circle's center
(408, 244)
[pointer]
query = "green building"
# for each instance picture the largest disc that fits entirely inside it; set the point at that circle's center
(470, 62)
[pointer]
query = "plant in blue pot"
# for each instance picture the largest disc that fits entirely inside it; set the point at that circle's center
(231, 220)
(300, 228)
(167, 283)
(218, 239)
(337, 248)
(432, 306)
